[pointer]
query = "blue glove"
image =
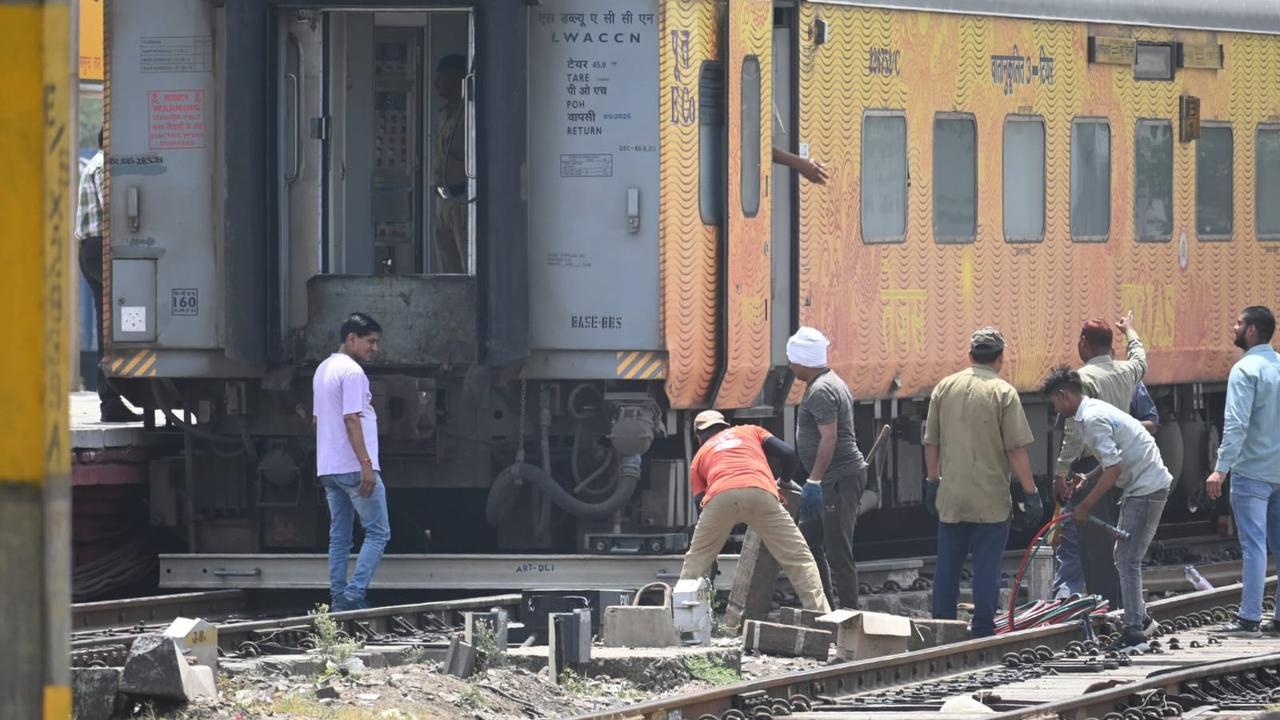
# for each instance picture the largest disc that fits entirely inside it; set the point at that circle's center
(1034, 509)
(810, 501)
(931, 497)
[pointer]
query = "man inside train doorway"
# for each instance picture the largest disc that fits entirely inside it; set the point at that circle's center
(837, 472)
(449, 167)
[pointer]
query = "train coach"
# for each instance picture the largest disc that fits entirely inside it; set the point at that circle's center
(628, 253)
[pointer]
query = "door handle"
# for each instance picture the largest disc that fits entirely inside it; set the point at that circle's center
(295, 95)
(633, 209)
(131, 208)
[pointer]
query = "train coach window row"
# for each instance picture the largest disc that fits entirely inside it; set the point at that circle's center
(885, 179)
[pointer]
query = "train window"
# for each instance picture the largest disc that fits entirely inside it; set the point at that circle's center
(1023, 179)
(955, 178)
(711, 142)
(750, 107)
(884, 177)
(1267, 193)
(1214, 182)
(1153, 181)
(1090, 180)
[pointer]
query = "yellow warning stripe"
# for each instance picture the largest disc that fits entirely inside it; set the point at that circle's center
(640, 365)
(134, 363)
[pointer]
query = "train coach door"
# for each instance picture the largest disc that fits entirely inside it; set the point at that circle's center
(303, 130)
(747, 271)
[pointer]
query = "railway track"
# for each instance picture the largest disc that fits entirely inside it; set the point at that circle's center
(835, 691)
(429, 622)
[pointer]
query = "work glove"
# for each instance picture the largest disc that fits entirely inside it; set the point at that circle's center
(810, 500)
(1033, 509)
(931, 497)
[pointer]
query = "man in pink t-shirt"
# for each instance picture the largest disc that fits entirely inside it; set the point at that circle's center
(347, 460)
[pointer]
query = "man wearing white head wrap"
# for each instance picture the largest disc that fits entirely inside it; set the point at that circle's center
(837, 472)
(808, 347)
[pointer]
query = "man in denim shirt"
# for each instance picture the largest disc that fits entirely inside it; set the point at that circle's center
(347, 460)
(1250, 451)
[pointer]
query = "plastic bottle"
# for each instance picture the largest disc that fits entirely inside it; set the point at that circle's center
(1194, 577)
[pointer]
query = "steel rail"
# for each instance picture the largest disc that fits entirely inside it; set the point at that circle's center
(889, 671)
(379, 620)
(1103, 702)
(131, 611)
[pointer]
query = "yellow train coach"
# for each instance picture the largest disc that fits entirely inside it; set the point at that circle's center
(1029, 165)
(565, 215)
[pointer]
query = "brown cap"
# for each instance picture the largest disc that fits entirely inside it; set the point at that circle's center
(708, 418)
(987, 339)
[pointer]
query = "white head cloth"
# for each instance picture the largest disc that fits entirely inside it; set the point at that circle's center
(808, 347)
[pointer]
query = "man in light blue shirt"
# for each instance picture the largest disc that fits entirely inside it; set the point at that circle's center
(1250, 451)
(1128, 460)
(1068, 580)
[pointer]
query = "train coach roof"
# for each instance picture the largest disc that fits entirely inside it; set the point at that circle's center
(1250, 16)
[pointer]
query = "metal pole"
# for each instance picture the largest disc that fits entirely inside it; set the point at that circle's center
(37, 202)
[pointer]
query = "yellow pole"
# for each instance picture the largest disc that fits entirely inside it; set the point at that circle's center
(37, 206)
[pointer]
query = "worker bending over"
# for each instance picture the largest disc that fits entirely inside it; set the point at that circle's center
(1128, 460)
(732, 483)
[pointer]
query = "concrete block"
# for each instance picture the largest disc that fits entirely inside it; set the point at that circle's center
(861, 635)
(785, 640)
(460, 660)
(196, 638)
(569, 642)
(691, 606)
(154, 669)
(293, 665)
(198, 683)
(639, 627)
(494, 621)
(94, 692)
(932, 633)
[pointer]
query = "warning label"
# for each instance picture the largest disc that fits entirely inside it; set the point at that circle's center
(175, 119)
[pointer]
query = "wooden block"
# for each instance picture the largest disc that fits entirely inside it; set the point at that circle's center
(804, 618)
(785, 640)
(753, 585)
(757, 577)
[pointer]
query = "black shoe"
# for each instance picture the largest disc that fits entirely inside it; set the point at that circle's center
(1270, 627)
(1238, 628)
(117, 411)
(1131, 638)
(1150, 627)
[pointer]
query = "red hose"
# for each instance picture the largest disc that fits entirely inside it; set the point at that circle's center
(1026, 559)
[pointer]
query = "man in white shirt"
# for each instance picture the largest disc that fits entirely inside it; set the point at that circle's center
(347, 460)
(1129, 460)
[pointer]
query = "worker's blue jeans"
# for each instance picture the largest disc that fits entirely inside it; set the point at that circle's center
(343, 493)
(985, 542)
(1256, 505)
(1068, 580)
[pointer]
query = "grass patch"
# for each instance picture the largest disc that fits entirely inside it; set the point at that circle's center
(574, 684)
(712, 669)
(332, 644)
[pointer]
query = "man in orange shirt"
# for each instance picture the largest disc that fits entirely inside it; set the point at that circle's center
(732, 483)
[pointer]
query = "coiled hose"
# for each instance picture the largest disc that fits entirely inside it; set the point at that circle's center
(506, 491)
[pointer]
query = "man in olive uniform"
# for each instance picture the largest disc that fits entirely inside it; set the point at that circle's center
(449, 166)
(976, 434)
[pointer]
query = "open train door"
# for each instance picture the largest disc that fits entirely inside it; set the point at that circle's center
(746, 264)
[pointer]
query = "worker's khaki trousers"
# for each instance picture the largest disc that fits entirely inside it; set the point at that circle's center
(762, 512)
